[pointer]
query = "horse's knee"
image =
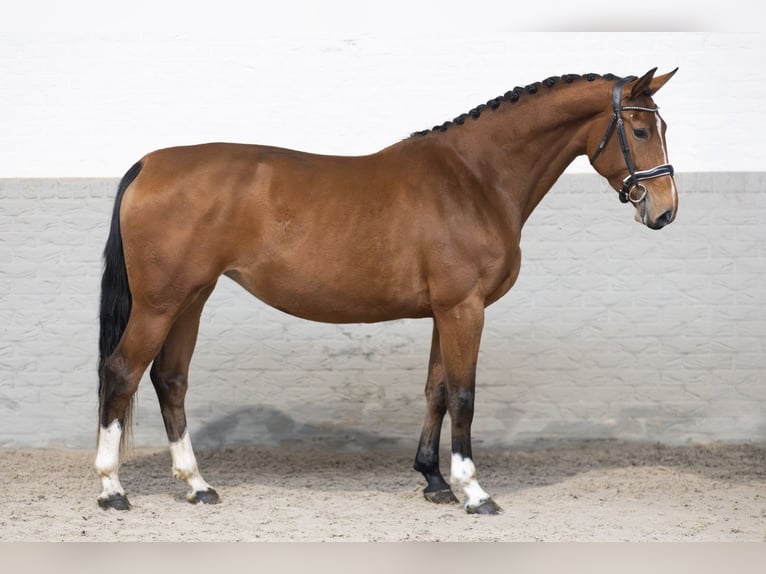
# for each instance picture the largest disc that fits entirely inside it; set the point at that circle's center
(436, 398)
(461, 407)
(464, 400)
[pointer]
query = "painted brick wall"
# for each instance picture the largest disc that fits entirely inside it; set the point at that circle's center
(611, 331)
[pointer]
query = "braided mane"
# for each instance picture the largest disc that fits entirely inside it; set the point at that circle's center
(513, 96)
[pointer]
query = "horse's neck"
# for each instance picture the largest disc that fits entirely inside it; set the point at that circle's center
(524, 147)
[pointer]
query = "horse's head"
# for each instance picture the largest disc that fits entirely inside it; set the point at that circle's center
(626, 145)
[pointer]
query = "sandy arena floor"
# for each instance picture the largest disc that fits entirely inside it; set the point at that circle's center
(590, 491)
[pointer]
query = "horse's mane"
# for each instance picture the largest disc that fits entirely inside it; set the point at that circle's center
(513, 96)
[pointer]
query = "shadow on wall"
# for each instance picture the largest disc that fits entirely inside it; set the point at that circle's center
(271, 427)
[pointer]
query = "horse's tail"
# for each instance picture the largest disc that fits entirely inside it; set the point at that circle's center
(116, 299)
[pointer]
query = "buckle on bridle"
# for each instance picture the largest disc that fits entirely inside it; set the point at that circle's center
(626, 195)
(631, 182)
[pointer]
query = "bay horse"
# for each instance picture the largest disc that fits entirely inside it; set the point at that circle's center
(428, 227)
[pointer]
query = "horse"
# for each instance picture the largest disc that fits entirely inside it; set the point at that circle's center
(428, 227)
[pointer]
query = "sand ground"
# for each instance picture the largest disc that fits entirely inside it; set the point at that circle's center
(586, 491)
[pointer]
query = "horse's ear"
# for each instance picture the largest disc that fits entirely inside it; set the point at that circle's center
(648, 85)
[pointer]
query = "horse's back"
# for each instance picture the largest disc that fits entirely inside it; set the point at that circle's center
(329, 238)
(323, 237)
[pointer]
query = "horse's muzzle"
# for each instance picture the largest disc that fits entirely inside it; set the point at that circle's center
(661, 221)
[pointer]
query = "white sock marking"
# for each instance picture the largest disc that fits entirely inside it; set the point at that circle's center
(185, 465)
(463, 474)
(108, 459)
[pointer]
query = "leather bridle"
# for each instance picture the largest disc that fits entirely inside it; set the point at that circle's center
(632, 182)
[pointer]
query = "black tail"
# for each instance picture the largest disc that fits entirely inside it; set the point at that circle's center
(115, 292)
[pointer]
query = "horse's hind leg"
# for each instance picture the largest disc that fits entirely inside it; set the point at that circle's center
(427, 457)
(169, 374)
(122, 371)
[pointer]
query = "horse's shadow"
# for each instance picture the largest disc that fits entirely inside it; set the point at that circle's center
(264, 446)
(267, 426)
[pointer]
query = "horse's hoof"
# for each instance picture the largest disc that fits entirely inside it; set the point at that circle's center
(445, 496)
(116, 501)
(489, 507)
(208, 496)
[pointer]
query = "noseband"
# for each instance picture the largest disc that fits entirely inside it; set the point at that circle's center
(632, 182)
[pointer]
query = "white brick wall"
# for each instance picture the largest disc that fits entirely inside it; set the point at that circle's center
(611, 331)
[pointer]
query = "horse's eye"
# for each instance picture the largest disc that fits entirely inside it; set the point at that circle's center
(641, 133)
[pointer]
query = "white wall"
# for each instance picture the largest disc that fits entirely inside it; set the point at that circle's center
(86, 90)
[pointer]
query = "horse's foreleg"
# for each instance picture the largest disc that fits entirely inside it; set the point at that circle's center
(169, 375)
(460, 330)
(120, 376)
(427, 457)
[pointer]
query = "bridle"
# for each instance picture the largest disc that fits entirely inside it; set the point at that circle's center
(632, 182)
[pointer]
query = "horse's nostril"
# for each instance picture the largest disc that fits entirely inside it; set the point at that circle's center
(663, 219)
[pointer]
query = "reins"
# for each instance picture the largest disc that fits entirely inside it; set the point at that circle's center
(632, 182)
